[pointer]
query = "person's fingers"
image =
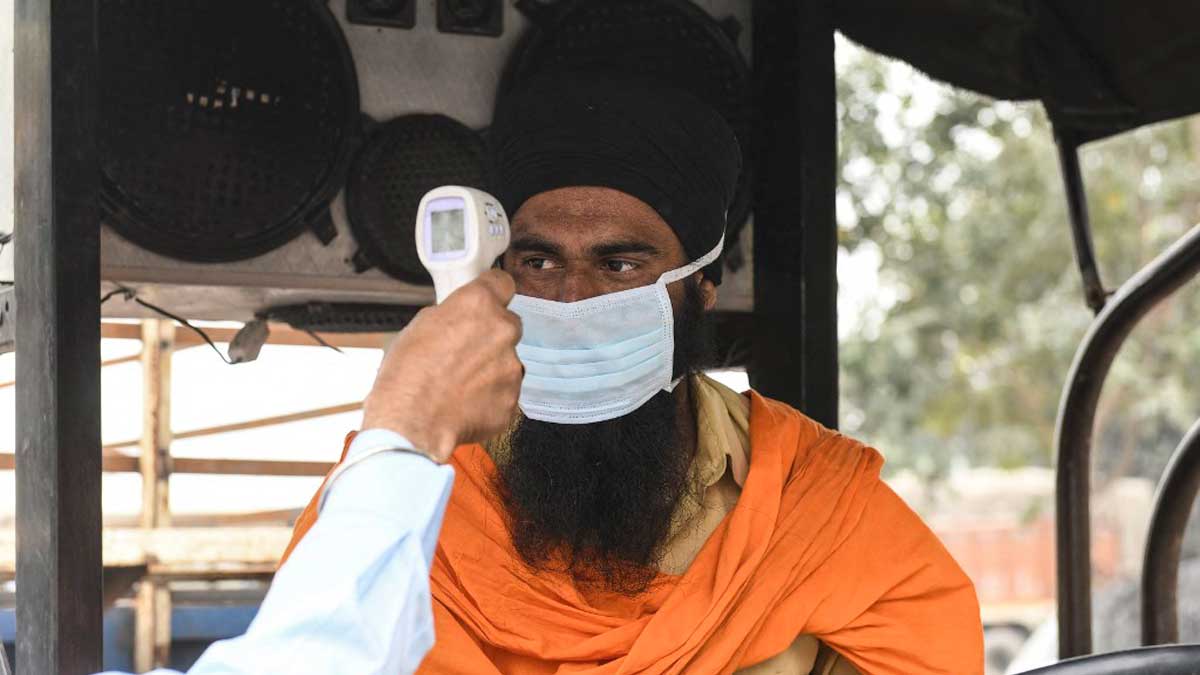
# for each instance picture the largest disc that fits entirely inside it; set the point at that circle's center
(499, 283)
(516, 376)
(510, 328)
(453, 374)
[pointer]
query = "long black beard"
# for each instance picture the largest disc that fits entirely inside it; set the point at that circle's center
(596, 500)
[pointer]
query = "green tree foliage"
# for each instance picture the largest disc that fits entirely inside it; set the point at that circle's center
(962, 306)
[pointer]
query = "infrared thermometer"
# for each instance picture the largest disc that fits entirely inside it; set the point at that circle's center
(460, 233)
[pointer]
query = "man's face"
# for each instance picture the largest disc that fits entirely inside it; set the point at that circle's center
(597, 500)
(576, 243)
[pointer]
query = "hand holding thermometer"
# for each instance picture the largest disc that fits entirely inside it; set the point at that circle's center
(460, 233)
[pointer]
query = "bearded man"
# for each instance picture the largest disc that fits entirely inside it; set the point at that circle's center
(639, 517)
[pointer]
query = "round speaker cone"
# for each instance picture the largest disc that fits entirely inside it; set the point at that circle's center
(400, 161)
(225, 125)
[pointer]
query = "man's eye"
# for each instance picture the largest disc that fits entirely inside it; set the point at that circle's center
(540, 263)
(619, 266)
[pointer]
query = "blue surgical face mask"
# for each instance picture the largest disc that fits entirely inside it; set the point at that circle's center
(600, 358)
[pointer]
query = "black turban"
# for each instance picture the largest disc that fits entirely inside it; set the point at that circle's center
(658, 144)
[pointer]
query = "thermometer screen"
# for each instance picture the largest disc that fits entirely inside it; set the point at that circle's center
(448, 231)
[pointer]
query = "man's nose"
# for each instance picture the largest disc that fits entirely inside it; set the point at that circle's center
(579, 285)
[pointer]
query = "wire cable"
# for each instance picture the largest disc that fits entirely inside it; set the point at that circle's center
(322, 342)
(129, 294)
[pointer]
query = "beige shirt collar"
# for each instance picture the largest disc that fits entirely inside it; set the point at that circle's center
(723, 432)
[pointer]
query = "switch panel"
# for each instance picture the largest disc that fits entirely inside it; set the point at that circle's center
(391, 13)
(473, 17)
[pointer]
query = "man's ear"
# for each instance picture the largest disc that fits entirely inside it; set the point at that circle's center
(708, 291)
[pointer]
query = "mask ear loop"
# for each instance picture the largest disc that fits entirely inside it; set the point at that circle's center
(685, 271)
(699, 264)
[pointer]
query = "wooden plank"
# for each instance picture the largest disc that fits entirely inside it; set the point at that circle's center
(172, 554)
(158, 338)
(252, 424)
(152, 625)
(103, 364)
(272, 516)
(194, 546)
(246, 572)
(232, 467)
(120, 464)
(282, 517)
(152, 632)
(121, 359)
(113, 463)
(119, 580)
(180, 547)
(281, 334)
(264, 571)
(251, 467)
(162, 622)
(117, 330)
(59, 597)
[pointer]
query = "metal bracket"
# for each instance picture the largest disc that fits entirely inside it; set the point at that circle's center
(1081, 225)
(8, 319)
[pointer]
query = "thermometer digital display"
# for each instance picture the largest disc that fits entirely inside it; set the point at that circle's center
(448, 230)
(460, 233)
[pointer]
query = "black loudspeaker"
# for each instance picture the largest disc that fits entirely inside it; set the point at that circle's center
(225, 126)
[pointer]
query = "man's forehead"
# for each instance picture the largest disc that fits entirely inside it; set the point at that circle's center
(596, 211)
(586, 202)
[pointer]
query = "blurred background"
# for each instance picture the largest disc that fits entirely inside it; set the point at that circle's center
(960, 311)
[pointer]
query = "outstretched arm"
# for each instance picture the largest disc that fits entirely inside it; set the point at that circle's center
(354, 596)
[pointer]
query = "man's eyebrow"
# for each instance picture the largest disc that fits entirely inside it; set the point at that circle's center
(622, 247)
(529, 243)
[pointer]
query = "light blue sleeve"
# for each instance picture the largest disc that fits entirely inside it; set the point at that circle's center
(354, 595)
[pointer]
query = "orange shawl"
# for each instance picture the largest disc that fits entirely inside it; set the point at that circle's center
(816, 544)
